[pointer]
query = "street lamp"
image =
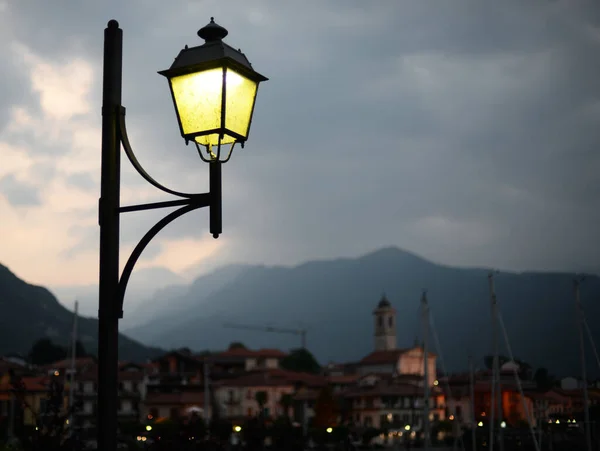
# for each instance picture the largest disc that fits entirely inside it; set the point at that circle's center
(214, 90)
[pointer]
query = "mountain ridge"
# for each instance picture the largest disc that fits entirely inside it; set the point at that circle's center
(319, 293)
(29, 312)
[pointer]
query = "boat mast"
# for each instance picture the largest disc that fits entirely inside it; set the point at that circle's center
(207, 403)
(586, 408)
(426, 395)
(472, 393)
(72, 377)
(497, 390)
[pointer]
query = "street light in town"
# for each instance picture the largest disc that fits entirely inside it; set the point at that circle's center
(214, 90)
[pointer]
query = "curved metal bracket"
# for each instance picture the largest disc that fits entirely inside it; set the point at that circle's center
(136, 164)
(198, 201)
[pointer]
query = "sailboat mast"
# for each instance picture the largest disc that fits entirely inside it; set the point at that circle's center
(72, 377)
(586, 408)
(472, 394)
(426, 395)
(496, 366)
(206, 394)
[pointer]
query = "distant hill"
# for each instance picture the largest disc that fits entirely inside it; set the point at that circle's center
(29, 312)
(334, 300)
(144, 282)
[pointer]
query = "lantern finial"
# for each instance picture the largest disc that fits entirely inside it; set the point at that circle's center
(212, 32)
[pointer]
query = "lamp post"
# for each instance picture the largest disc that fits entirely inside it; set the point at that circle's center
(214, 90)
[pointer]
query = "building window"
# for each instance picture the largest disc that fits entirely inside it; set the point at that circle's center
(380, 319)
(391, 321)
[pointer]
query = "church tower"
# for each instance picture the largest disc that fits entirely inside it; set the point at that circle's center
(385, 325)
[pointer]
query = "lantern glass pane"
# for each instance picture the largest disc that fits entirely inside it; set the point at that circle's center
(198, 101)
(239, 102)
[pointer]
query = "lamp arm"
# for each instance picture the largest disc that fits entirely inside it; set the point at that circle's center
(124, 138)
(193, 204)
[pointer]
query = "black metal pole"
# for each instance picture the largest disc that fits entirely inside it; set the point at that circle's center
(108, 311)
(216, 215)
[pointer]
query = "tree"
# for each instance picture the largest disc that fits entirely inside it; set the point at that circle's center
(80, 350)
(44, 352)
(488, 361)
(301, 360)
(50, 433)
(237, 345)
(253, 434)
(325, 409)
(286, 402)
(345, 410)
(543, 379)
(261, 398)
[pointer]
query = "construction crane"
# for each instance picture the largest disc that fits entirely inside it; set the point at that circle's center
(277, 330)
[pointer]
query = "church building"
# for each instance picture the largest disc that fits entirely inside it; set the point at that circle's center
(386, 357)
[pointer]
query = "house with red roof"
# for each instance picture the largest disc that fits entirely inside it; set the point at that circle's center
(237, 396)
(391, 400)
(29, 404)
(238, 360)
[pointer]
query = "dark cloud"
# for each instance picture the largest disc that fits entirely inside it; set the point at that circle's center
(466, 131)
(19, 193)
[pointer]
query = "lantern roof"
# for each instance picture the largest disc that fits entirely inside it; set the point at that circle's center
(212, 51)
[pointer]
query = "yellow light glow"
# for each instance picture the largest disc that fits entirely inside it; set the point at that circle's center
(407, 427)
(198, 98)
(329, 430)
(148, 428)
(503, 424)
(237, 428)
(239, 102)
(480, 424)
(436, 383)
(451, 417)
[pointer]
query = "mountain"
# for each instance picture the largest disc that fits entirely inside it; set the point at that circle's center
(29, 312)
(143, 284)
(334, 301)
(163, 316)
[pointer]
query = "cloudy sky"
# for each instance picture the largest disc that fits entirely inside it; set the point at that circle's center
(463, 131)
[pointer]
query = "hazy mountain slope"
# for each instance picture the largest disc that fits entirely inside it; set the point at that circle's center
(335, 300)
(166, 307)
(29, 312)
(143, 284)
